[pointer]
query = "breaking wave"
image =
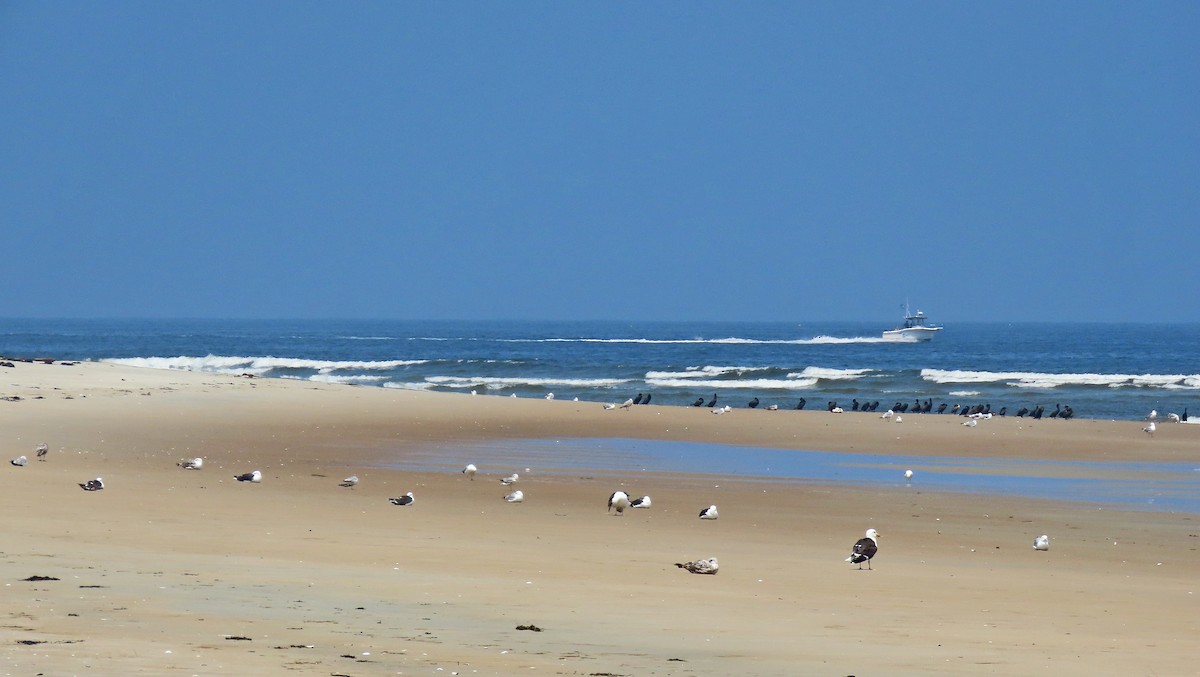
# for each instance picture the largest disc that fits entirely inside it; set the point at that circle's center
(1018, 379)
(259, 366)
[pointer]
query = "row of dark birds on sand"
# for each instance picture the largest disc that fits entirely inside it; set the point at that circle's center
(916, 407)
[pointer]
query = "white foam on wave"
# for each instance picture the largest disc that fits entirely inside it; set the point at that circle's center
(511, 382)
(1044, 380)
(348, 379)
(701, 372)
(408, 385)
(763, 383)
(811, 374)
(963, 393)
(224, 364)
(834, 374)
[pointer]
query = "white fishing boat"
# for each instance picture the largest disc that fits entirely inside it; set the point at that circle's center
(913, 329)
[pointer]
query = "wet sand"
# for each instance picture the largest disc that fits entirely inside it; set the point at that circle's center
(171, 571)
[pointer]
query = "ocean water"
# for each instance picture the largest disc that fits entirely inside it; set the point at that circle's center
(1106, 371)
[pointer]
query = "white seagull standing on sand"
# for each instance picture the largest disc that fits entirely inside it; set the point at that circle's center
(192, 463)
(351, 481)
(1041, 542)
(406, 499)
(865, 549)
(618, 501)
(510, 479)
(470, 471)
(42, 450)
(700, 566)
(908, 475)
(255, 477)
(92, 485)
(627, 403)
(549, 396)
(515, 497)
(971, 423)
(888, 414)
(19, 461)
(1149, 430)
(643, 502)
(1152, 415)
(709, 513)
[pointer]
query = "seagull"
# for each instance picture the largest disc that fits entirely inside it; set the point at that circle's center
(888, 414)
(609, 405)
(192, 463)
(515, 497)
(627, 403)
(709, 513)
(350, 481)
(1173, 417)
(971, 423)
(19, 461)
(908, 475)
(1149, 430)
(837, 410)
(510, 479)
(619, 501)
(470, 471)
(549, 396)
(406, 499)
(700, 566)
(1152, 415)
(1041, 542)
(255, 477)
(92, 485)
(864, 549)
(42, 450)
(772, 407)
(643, 502)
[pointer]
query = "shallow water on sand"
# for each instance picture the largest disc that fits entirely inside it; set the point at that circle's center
(1152, 486)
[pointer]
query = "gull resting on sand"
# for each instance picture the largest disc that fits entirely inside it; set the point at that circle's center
(700, 566)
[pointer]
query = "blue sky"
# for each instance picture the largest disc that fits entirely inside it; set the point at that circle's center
(601, 160)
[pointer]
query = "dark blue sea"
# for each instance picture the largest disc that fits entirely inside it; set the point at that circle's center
(1105, 371)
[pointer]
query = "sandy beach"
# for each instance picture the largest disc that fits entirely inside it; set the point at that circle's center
(171, 571)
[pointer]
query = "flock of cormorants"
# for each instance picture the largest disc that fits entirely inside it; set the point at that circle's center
(917, 407)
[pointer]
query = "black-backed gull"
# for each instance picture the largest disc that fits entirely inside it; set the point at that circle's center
(618, 501)
(92, 485)
(864, 549)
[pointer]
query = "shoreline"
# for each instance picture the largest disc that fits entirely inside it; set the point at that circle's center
(310, 572)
